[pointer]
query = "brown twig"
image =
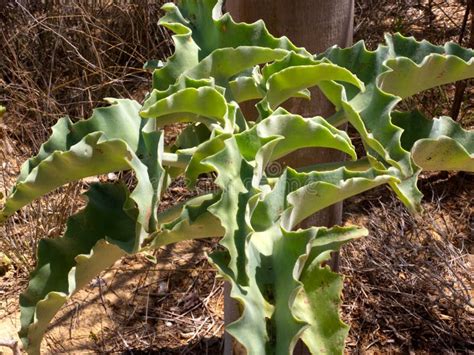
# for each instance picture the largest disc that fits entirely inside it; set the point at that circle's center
(461, 85)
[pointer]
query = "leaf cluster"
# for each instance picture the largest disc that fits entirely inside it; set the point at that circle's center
(278, 274)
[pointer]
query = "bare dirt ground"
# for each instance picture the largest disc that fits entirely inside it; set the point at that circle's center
(408, 288)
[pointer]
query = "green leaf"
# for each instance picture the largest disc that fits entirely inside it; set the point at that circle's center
(205, 105)
(319, 300)
(438, 144)
(235, 180)
(308, 193)
(418, 66)
(94, 155)
(270, 322)
(293, 59)
(120, 120)
(94, 239)
(152, 154)
(283, 133)
(387, 72)
(295, 132)
(267, 325)
(65, 157)
(287, 82)
(404, 66)
(194, 222)
(245, 88)
(201, 29)
(224, 63)
(198, 165)
(183, 82)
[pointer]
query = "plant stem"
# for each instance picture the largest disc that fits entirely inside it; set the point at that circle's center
(338, 119)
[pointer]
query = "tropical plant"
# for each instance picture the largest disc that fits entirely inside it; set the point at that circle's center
(278, 274)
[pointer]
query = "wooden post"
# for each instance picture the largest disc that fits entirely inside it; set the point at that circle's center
(315, 25)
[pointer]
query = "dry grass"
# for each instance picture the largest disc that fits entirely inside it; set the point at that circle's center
(409, 284)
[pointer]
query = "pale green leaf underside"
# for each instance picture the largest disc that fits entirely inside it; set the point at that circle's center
(321, 290)
(120, 121)
(205, 105)
(438, 144)
(276, 260)
(394, 71)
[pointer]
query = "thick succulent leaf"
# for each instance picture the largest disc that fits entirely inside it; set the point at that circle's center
(418, 66)
(204, 104)
(319, 300)
(94, 239)
(207, 22)
(283, 133)
(250, 329)
(104, 143)
(276, 258)
(224, 63)
(442, 153)
(192, 221)
(327, 189)
(296, 196)
(93, 155)
(120, 120)
(198, 165)
(393, 67)
(201, 29)
(303, 194)
(383, 142)
(151, 154)
(386, 73)
(292, 59)
(235, 180)
(250, 86)
(186, 53)
(183, 82)
(438, 144)
(370, 114)
(266, 300)
(297, 132)
(245, 88)
(287, 82)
